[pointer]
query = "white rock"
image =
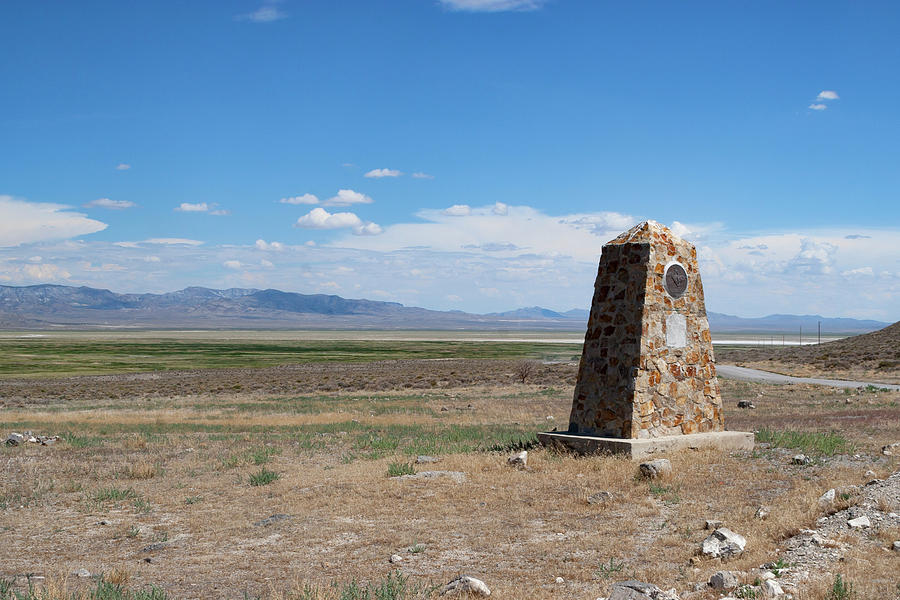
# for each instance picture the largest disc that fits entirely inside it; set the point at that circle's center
(661, 467)
(457, 476)
(14, 439)
(897, 546)
(723, 580)
(82, 573)
(712, 524)
(762, 512)
(518, 460)
(772, 588)
(466, 585)
(723, 543)
(767, 575)
(860, 522)
(395, 558)
(424, 459)
(827, 499)
(800, 459)
(638, 590)
(560, 580)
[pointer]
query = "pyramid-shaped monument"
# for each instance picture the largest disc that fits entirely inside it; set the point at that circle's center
(647, 371)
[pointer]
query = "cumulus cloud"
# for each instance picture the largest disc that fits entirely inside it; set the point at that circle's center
(421, 175)
(319, 218)
(189, 207)
(815, 106)
(458, 210)
(827, 95)
(304, 199)
(172, 242)
(232, 264)
(500, 209)
(379, 173)
(23, 222)
(45, 272)
(110, 204)
(860, 272)
(492, 5)
(263, 245)
(122, 167)
(203, 207)
(348, 197)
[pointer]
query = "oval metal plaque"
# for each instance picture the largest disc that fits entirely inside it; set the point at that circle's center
(675, 280)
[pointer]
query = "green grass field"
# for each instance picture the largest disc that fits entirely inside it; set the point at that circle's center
(60, 356)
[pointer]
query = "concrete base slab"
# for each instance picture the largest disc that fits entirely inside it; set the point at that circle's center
(643, 448)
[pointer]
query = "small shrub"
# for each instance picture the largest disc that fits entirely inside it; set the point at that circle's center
(525, 369)
(840, 589)
(610, 569)
(263, 477)
(114, 494)
(142, 470)
(398, 469)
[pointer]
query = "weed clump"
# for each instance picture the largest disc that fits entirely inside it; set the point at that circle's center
(263, 477)
(400, 468)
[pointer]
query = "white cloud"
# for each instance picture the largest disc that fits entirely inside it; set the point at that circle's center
(458, 210)
(828, 95)
(203, 207)
(110, 204)
(267, 13)
(45, 272)
(23, 222)
(189, 207)
(348, 197)
(861, 271)
(151, 259)
(268, 264)
(500, 209)
(319, 218)
(122, 167)
(379, 173)
(304, 199)
(170, 242)
(817, 106)
(263, 245)
(421, 175)
(492, 5)
(232, 264)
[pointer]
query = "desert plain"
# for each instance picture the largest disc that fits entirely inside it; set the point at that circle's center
(190, 465)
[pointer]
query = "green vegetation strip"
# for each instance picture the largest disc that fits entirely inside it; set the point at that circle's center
(809, 442)
(41, 357)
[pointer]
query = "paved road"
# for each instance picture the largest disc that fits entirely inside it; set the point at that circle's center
(745, 374)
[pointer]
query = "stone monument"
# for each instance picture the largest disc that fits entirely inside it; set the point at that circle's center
(647, 377)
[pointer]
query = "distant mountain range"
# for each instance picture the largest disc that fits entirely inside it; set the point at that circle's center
(65, 307)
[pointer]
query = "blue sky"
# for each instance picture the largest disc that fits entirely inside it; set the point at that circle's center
(453, 154)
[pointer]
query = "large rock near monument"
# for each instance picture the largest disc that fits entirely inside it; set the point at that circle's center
(647, 369)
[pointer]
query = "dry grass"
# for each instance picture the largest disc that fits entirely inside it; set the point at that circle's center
(168, 479)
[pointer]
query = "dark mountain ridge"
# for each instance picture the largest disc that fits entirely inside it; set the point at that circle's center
(59, 306)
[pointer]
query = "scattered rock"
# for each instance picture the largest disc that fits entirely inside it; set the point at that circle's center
(890, 449)
(550, 418)
(560, 580)
(599, 498)
(272, 520)
(82, 573)
(859, 522)
(466, 585)
(870, 473)
(766, 575)
(444, 409)
(14, 439)
(712, 524)
(723, 543)
(638, 590)
(661, 467)
(518, 460)
(423, 459)
(827, 499)
(395, 558)
(772, 588)
(457, 476)
(723, 580)
(800, 459)
(154, 547)
(762, 512)
(746, 404)
(897, 546)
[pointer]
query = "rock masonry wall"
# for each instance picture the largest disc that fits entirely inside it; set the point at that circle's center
(647, 368)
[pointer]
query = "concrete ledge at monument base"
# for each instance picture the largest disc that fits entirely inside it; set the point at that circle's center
(642, 448)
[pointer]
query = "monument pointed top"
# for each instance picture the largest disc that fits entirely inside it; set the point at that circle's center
(645, 231)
